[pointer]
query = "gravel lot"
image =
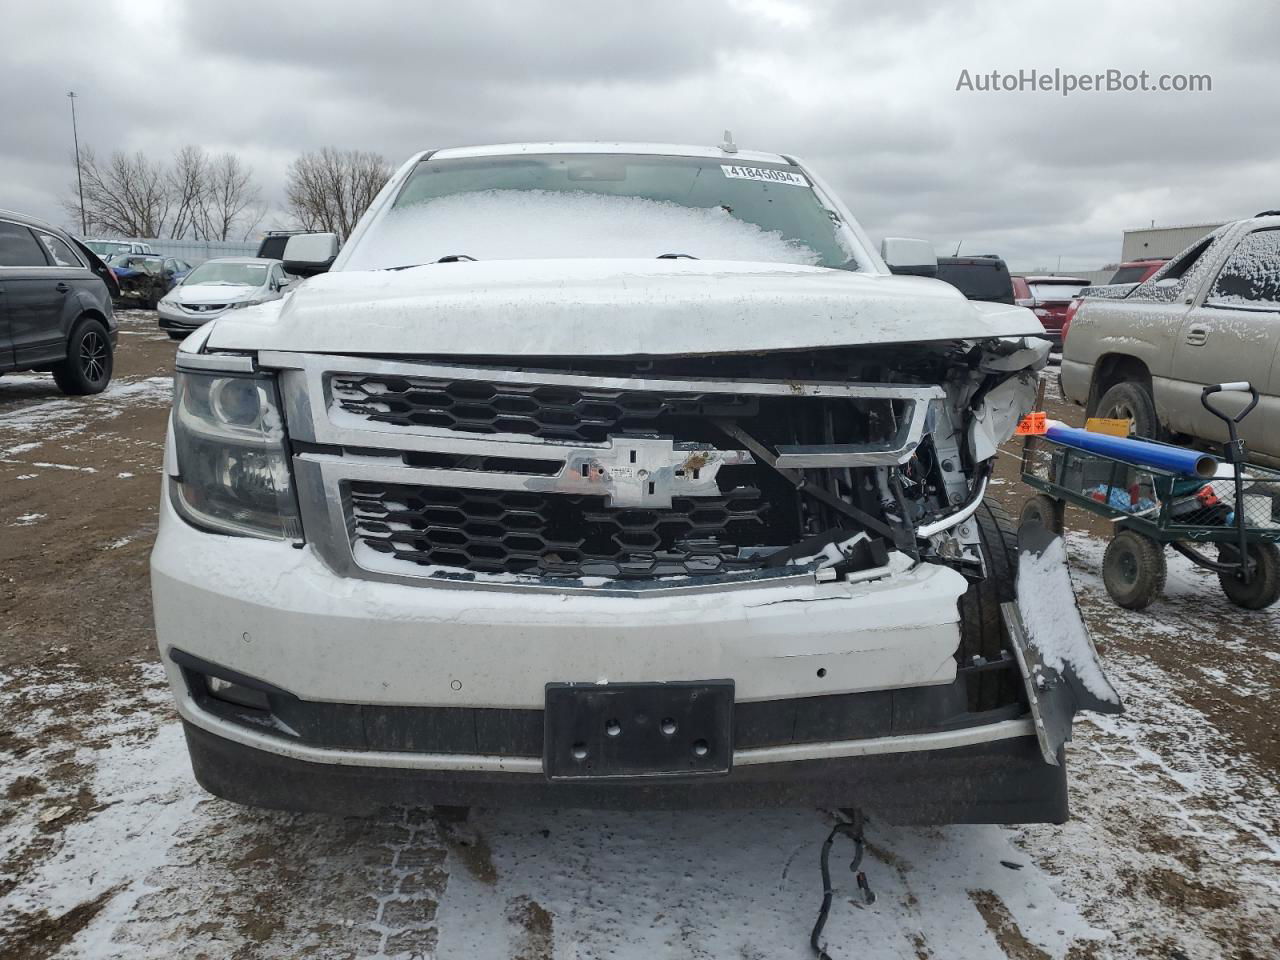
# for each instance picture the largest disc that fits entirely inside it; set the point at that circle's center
(109, 849)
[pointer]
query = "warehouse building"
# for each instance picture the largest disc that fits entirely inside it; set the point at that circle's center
(1149, 242)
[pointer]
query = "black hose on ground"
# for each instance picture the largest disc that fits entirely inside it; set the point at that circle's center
(853, 829)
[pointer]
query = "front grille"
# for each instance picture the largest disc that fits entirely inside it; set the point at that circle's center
(203, 307)
(546, 411)
(561, 535)
(419, 469)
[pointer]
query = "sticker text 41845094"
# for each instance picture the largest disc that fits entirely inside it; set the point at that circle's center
(763, 174)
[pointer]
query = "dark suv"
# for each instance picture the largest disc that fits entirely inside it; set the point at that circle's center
(55, 306)
(978, 278)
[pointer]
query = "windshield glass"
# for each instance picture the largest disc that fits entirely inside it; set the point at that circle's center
(978, 279)
(240, 274)
(106, 249)
(604, 206)
(1056, 291)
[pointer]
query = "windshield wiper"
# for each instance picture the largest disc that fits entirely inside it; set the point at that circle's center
(451, 258)
(676, 256)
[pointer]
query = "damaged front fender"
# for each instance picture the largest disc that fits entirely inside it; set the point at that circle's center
(1060, 666)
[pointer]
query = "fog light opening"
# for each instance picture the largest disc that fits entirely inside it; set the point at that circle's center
(229, 692)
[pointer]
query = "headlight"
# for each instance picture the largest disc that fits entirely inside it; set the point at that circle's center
(231, 456)
(245, 303)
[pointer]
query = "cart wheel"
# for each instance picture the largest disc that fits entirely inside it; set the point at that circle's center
(1263, 588)
(1133, 570)
(1044, 510)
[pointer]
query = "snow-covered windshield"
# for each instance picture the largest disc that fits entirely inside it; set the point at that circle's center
(604, 206)
(240, 274)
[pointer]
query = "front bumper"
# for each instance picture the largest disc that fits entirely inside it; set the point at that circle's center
(861, 680)
(172, 318)
(1002, 781)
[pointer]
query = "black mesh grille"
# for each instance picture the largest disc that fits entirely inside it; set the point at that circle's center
(551, 412)
(560, 535)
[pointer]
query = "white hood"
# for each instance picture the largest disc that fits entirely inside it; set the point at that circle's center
(610, 308)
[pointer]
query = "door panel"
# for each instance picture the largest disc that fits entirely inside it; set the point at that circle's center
(6, 338)
(1234, 334)
(33, 300)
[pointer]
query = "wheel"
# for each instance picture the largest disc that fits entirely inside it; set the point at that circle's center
(1044, 510)
(1133, 570)
(1263, 588)
(87, 368)
(982, 630)
(1131, 401)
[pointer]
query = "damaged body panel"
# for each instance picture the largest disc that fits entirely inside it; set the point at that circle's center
(1056, 656)
(754, 487)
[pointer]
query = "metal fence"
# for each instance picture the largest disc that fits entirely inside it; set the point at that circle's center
(198, 251)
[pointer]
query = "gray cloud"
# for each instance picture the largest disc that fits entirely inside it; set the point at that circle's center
(865, 91)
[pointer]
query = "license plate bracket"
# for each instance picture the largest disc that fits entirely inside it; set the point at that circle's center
(638, 730)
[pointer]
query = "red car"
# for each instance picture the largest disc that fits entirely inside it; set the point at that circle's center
(1136, 271)
(1048, 298)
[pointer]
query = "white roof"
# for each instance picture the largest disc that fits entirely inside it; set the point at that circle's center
(1179, 226)
(656, 149)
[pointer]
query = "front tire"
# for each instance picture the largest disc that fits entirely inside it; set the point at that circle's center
(1132, 401)
(982, 631)
(1046, 511)
(1263, 588)
(90, 359)
(1134, 570)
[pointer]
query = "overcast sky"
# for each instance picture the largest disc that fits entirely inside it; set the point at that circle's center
(866, 92)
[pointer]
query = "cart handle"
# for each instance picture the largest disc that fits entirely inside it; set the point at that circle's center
(1239, 385)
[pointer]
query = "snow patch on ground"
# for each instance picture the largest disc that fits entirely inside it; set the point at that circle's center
(1172, 849)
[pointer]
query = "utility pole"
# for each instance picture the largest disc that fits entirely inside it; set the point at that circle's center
(75, 136)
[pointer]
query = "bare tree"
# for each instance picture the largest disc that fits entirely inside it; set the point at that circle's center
(198, 196)
(188, 182)
(128, 195)
(329, 189)
(231, 198)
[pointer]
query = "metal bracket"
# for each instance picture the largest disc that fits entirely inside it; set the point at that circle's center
(644, 472)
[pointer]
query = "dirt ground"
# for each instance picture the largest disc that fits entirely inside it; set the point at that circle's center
(109, 849)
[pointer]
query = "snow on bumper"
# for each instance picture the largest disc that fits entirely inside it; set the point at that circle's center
(1060, 666)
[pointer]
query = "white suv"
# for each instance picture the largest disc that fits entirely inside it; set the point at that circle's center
(605, 475)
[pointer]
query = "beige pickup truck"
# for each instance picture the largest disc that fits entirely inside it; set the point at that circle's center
(1210, 315)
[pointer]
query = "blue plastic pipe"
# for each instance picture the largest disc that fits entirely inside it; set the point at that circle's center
(1144, 453)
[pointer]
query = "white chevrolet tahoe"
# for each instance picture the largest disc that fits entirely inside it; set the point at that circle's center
(613, 475)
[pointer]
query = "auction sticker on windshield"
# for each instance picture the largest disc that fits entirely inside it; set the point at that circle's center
(764, 174)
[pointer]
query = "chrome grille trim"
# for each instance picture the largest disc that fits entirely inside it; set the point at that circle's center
(309, 403)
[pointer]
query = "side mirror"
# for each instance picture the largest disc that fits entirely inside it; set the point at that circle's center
(307, 254)
(282, 283)
(912, 257)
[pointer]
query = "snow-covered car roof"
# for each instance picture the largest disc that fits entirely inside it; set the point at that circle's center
(655, 149)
